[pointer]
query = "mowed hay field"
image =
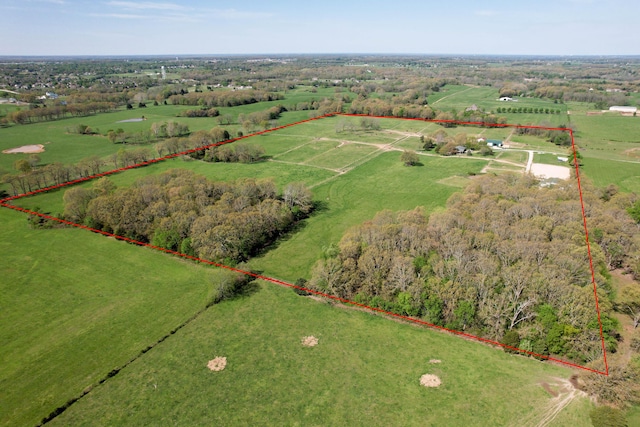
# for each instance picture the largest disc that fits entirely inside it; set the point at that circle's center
(84, 305)
(76, 305)
(365, 370)
(610, 146)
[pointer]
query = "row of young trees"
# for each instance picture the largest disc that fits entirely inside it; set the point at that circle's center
(507, 260)
(58, 112)
(179, 210)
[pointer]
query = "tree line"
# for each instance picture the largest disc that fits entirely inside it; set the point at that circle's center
(224, 98)
(507, 260)
(57, 112)
(182, 211)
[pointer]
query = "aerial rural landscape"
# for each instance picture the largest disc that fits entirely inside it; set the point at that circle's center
(217, 234)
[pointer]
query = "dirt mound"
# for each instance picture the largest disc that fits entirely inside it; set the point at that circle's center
(309, 341)
(217, 364)
(429, 380)
(25, 149)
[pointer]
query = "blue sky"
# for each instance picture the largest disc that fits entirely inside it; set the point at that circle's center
(534, 27)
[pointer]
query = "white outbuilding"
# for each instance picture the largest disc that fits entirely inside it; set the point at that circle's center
(623, 109)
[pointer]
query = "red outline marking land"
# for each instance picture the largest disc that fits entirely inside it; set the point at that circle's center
(5, 203)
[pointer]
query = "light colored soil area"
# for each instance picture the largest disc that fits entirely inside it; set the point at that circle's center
(429, 380)
(633, 152)
(309, 341)
(140, 119)
(25, 149)
(217, 364)
(540, 170)
(435, 361)
(562, 393)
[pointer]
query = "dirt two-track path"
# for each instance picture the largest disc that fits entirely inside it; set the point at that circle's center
(563, 392)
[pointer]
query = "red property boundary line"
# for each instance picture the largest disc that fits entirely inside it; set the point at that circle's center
(5, 203)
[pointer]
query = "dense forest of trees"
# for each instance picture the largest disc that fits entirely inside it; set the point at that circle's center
(507, 260)
(179, 210)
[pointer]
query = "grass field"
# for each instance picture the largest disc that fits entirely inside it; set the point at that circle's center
(85, 304)
(456, 97)
(68, 148)
(365, 371)
(76, 305)
(604, 172)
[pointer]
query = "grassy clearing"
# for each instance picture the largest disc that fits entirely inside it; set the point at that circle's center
(308, 151)
(342, 156)
(610, 137)
(536, 143)
(604, 172)
(548, 159)
(75, 306)
(361, 373)
(513, 156)
(381, 183)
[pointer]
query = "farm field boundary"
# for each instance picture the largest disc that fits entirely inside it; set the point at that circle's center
(6, 204)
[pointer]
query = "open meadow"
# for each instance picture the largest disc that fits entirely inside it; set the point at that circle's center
(83, 304)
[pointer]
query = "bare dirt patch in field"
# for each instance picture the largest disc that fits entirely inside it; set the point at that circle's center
(540, 170)
(29, 149)
(217, 364)
(633, 152)
(435, 361)
(429, 380)
(139, 119)
(309, 341)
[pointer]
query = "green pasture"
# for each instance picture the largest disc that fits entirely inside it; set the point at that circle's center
(382, 182)
(512, 156)
(603, 172)
(537, 143)
(66, 147)
(364, 371)
(342, 157)
(308, 151)
(84, 304)
(458, 98)
(608, 136)
(76, 305)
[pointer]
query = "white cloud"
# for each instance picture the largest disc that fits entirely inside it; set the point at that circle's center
(234, 14)
(60, 2)
(146, 5)
(118, 15)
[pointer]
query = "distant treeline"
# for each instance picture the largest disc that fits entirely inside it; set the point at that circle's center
(57, 112)
(224, 98)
